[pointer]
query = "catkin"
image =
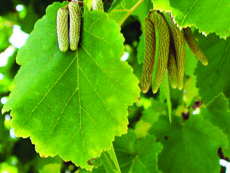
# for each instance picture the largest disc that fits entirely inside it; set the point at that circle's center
(172, 68)
(149, 54)
(180, 49)
(62, 29)
(75, 24)
(98, 5)
(164, 40)
(194, 47)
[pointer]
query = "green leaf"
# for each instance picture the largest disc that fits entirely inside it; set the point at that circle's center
(149, 117)
(191, 93)
(137, 154)
(108, 161)
(190, 90)
(51, 168)
(121, 10)
(73, 104)
(143, 10)
(189, 146)
(89, 4)
(207, 16)
(218, 113)
(190, 62)
(6, 167)
(4, 134)
(214, 78)
(6, 29)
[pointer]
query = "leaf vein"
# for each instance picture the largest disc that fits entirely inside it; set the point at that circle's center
(45, 95)
(98, 95)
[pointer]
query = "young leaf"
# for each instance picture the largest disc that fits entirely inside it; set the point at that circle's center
(73, 104)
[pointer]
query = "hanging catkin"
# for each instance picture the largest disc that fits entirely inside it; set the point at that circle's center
(194, 47)
(149, 54)
(172, 68)
(180, 50)
(163, 51)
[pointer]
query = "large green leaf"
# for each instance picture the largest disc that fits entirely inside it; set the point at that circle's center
(218, 113)
(137, 155)
(73, 104)
(189, 146)
(207, 16)
(214, 78)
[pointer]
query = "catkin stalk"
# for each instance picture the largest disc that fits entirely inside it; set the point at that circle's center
(62, 29)
(75, 24)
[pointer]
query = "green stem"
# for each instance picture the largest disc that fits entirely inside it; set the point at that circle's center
(110, 162)
(131, 11)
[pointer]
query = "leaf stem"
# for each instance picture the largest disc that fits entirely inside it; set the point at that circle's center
(131, 11)
(110, 162)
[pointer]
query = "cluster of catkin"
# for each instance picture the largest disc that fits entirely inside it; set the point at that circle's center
(69, 24)
(171, 51)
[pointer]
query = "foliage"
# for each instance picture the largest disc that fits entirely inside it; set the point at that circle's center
(82, 111)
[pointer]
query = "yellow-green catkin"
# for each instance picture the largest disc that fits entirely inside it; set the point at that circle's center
(75, 24)
(172, 68)
(180, 49)
(194, 47)
(98, 5)
(161, 24)
(62, 29)
(149, 54)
